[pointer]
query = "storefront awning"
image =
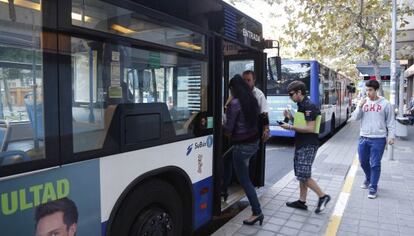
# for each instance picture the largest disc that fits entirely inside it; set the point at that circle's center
(409, 72)
(368, 69)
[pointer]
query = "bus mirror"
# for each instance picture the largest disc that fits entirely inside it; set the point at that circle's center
(274, 68)
(271, 43)
(278, 62)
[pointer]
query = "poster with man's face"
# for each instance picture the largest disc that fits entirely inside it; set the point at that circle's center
(63, 201)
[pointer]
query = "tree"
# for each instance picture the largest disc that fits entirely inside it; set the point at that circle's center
(339, 33)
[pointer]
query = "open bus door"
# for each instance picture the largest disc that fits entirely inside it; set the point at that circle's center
(236, 60)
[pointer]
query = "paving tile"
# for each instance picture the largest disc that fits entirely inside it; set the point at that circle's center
(407, 230)
(349, 227)
(286, 193)
(404, 222)
(277, 221)
(271, 206)
(238, 234)
(268, 212)
(366, 223)
(304, 233)
(388, 233)
(282, 215)
(302, 212)
(389, 227)
(228, 230)
(286, 209)
(271, 227)
(345, 233)
(289, 231)
(294, 224)
(315, 221)
(248, 230)
(368, 231)
(265, 233)
(351, 221)
(311, 228)
(299, 218)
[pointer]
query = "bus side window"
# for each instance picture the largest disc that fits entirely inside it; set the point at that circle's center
(100, 84)
(21, 85)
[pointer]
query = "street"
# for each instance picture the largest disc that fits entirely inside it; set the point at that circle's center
(279, 159)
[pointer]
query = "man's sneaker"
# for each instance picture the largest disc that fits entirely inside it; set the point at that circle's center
(365, 185)
(372, 193)
(298, 205)
(322, 203)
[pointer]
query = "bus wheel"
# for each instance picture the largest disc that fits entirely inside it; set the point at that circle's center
(153, 221)
(332, 126)
(153, 208)
(347, 117)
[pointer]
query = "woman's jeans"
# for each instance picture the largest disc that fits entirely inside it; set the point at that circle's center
(227, 172)
(370, 152)
(241, 157)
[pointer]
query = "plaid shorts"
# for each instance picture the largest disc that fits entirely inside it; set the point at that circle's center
(303, 160)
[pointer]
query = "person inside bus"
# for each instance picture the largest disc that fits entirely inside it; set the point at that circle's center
(250, 79)
(241, 128)
(59, 217)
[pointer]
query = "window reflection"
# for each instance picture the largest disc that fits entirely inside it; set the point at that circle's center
(105, 75)
(290, 72)
(98, 15)
(21, 82)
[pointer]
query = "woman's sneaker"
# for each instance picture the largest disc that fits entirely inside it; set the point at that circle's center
(298, 205)
(322, 203)
(365, 185)
(372, 193)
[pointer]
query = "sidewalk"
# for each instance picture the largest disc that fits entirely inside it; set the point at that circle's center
(330, 168)
(392, 213)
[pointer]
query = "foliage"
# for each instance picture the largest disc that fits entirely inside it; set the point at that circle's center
(340, 33)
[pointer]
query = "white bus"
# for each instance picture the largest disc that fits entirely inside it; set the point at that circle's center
(110, 114)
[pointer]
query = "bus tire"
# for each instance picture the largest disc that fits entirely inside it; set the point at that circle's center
(153, 208)
(332, 131)
(347, 116)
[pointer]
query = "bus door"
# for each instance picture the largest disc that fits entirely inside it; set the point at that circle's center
(236, 60)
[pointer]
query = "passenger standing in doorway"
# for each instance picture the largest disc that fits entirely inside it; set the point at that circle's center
(306, 146)
(241, 127)
(263, 124)
(377, 122)
(250, 79)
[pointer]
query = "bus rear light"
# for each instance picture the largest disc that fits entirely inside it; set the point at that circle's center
(203, 206)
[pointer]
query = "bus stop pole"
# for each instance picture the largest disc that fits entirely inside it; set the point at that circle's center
(35, 118)
(393, 68)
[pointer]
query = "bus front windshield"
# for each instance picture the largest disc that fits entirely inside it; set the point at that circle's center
(290, 72)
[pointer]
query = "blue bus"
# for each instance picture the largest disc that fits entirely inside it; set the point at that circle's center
(328, 89)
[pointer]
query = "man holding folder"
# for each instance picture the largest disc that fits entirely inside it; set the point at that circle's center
(306, 123)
